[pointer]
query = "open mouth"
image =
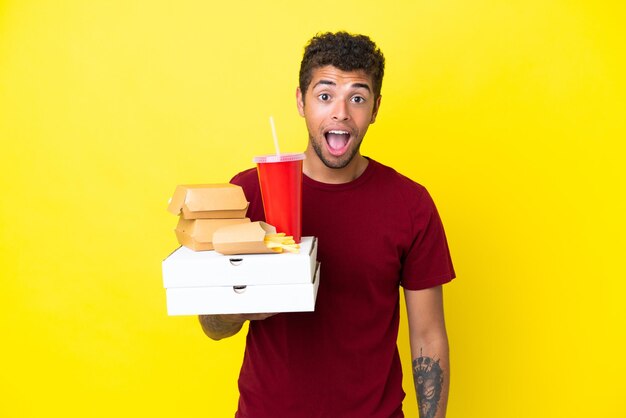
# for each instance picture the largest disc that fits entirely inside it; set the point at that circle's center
(337, 141)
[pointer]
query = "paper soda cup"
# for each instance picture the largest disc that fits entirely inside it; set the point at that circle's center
(280, 177)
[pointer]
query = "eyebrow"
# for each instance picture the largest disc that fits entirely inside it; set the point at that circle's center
(354, 85)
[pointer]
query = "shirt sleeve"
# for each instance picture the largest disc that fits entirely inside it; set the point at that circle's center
(249, 182)
(427, 262)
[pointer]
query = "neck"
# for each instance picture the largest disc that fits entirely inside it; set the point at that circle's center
(315, 169)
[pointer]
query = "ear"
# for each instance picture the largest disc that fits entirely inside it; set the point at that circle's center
(375, 110)
(300, 102)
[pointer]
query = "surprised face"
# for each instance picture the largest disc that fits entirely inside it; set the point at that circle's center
(338, 107)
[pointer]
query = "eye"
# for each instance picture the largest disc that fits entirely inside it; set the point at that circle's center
(358, 99)
(324, 97)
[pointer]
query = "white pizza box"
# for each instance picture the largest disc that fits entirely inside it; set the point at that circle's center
(267, 298)
(185, 268)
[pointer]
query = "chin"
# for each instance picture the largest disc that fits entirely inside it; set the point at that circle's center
(332, 161)
(338, 162)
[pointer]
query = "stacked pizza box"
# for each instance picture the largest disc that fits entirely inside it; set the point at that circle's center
(225, 265)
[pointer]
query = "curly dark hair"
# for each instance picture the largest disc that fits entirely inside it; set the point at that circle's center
(345, 51)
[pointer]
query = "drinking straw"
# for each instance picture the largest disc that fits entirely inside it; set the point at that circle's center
(274, 135)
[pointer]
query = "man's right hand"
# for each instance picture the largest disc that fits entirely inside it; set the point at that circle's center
(221, 326)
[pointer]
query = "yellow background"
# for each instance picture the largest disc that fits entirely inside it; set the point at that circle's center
(512, 113)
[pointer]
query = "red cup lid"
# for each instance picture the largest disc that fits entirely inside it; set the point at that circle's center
(279, 158)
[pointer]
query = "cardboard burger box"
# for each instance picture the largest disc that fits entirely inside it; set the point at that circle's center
(197, 234)
(208, 282)
(209, 201)
(243, 239)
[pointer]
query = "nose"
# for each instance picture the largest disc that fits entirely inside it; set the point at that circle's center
(340, 111)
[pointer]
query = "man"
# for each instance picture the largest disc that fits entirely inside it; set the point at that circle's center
(377, 231)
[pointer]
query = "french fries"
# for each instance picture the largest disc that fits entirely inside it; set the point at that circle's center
(280, 242)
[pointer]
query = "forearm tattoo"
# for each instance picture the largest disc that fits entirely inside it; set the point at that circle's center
(216, 325)
(428, 379)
